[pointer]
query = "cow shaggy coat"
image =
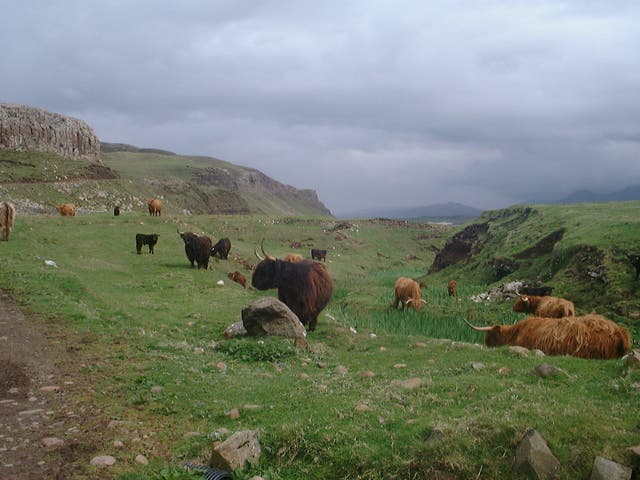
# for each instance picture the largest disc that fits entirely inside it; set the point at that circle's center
(305, 287)
(552, 307)
(452, 288)
(67, 209)
(407, 292)
(222, 248)
(155, 207)
(146, 239)
(238, 278)
(293, 257)
(200, 249)
(587, 336)
(187, 237)
(7, 215)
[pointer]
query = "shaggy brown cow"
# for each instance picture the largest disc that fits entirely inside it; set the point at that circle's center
(199, 247)
(293, 257)
(155, 207)
(67, 209)
(587, 336)
(146, 239)
(305, 287)
(452, 288)
(187, 237)
(238, 278)
(552, 307)
(7, 215)
(222, 248)
(407, 292)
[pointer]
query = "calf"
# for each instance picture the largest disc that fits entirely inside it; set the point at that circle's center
(146, 239)
(67, 209)
(452, 288)
(552, 307)
(222, 248)
(317, 254)
(7, 215)
(116, 211)
(238, 278)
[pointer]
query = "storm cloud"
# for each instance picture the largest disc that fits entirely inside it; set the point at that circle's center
(369, 103)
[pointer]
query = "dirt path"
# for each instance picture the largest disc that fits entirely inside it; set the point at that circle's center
(43, 432)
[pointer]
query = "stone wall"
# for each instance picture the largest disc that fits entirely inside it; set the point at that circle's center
(29, 128)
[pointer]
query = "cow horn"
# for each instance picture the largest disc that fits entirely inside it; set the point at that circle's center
(423, 301)
(270, 257)
(178, 230)
(257, 255)
(479, 329)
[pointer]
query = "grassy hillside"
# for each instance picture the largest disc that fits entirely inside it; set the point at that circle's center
(37, 182)
(417, 401)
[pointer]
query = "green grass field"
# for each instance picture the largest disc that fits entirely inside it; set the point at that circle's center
(133, 322)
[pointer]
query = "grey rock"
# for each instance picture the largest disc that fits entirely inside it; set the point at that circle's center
(604, 469)
(270, 316)
(237, 451)
(534, 458)
(103, 461)
(545, 371)
(235, 330)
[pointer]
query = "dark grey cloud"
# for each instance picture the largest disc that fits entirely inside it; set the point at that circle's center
(405, 103)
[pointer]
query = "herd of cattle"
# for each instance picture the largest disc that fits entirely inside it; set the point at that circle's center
(306, 288)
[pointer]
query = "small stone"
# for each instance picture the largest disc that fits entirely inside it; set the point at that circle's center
(340, 370)
(156, 389)
(477, 366)
(188, 435)
(31, 412)
(411, 383)
(103, 461)
(304, 376)
(400, 365)
(234, 414)
(421, 344)
(52, 442)
(50, 388)
(520, 350)
(118, 443)
(251, 406)
(321, 365)
(635, 450)
(367, 374)
(142, 460)
(504, 370)
(362, 407)
(545, 371)
(604, 469)
(198, 350)
(383, 349)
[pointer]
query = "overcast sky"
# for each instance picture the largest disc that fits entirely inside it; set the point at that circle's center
(370, 103)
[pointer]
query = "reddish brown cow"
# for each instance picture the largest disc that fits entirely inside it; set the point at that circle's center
(407, 292)
(155, 207)
(293, 257)
(452, 288)
(7, 215)
(238, 278)
(544, 306)
(67, 209)
(587, 336)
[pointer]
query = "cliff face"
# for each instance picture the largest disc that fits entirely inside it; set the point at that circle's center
(29, 128)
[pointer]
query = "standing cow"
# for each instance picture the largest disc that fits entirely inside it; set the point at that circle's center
(7, 215)
(146, 239)
(317, 254)
(305, 287)
(116, 211)
(155, 207)
(222, 248)
(187, 237)
(452, 288)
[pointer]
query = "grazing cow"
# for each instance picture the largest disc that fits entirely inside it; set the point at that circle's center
(67, 209)
(7, 215)
(635, 262)
(587, 336)
(116, 211)
(317, 254)
(305, 287)
(222, 248)
(238, 278)
(146, 239)
(293, 257)
(452, 288)
(407, 292)
(155, 207)
(552, 307)
(187, 237)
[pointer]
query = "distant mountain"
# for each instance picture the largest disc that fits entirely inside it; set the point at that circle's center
(582, 196)
(451, 211)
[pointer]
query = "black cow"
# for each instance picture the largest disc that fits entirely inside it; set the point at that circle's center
(317, 254)
(635, 262)
(222, 248)
(187, 237)
(116, 211)
(146, 239)
(305, 286)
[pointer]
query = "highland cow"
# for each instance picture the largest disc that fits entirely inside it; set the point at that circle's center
(552, 307)
(7, 216)
(293, 257)
(238, 278)
(155, 207)
(116, 211)
(452, 288)
(199, 247)
(67, 209)
(407, 292)
(187, 237)
(146, 239)
(317, 254)
(305, 287)
(222, 248)
(587, 336)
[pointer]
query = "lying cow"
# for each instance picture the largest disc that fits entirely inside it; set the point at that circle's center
(587, 336)
(7, 215)
(544, 306)
(317, 254)
(238, 278)
(67, 209)
(146, 239)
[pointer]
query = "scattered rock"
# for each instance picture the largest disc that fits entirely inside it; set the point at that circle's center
(400, 365)
(50, 388)
(52, 442)
(477, 365)
(504, 370)
(270, 316)
(118, 444)
(188, 435)
(534, 458)
(635, 450)
(367, 374)
(304, 376)
(156, 389)
(142, 460)
(604, 469)
(234, 414)
(420, 344)
(411, 383)
(520, 350)
(236, 451)
(362, 407)
(436, 436)
(103, 461)
(632, 359)
(545, 371)
(340, 370)
(235, 330)
(251, 406)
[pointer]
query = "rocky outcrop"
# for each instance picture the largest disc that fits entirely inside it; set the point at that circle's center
(29, 128)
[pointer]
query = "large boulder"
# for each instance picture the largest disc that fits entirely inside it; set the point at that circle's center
(534, 458)
(269, 316)
(604, 469)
